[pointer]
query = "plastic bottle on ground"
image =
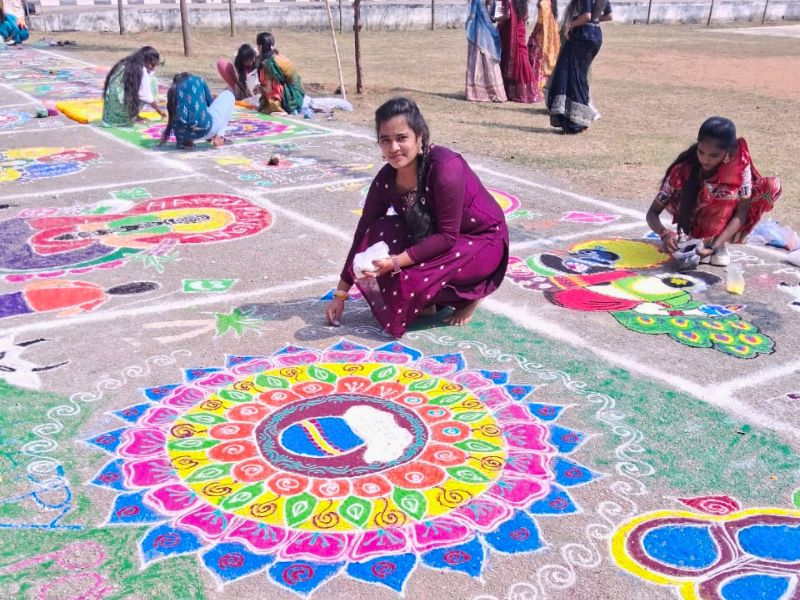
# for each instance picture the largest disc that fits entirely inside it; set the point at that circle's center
(735, 279)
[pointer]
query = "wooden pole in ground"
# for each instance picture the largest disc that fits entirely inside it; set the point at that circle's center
(121, 18)
(710, 13)
(336, 49)
(357, 32)
(340, 17)
(649, 10)
(186, 29)
(233, 24)
(433, 15)
(764, 16)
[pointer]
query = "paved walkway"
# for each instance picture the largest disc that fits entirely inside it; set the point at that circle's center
(604, 428)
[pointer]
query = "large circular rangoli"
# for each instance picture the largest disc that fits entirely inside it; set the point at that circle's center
(339, 447)
(368, 461)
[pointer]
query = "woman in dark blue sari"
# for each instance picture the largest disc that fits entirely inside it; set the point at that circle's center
(568, 98)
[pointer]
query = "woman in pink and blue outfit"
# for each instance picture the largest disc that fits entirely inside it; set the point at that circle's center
(448, 242)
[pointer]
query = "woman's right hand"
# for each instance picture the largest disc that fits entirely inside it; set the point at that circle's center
(334, 311)
(669, 239)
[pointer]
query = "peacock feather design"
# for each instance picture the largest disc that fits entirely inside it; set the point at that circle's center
(728, 333)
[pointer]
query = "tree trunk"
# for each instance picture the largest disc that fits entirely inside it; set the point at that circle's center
(357, 31)
(649, 10)
(233, 25)
(186, 29)
(433, 15)
(710, 14)
(764, 16)
(120, 16)
(340, 17)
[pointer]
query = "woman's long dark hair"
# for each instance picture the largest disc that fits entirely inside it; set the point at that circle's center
(266, 45)
(521, 8)
(419, 218)
(554, 8)
(245, 53)
(172, 105)
(722, 133)
(132, 77)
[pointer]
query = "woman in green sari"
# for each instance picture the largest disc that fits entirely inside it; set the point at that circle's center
(280, 85)
(129, 85)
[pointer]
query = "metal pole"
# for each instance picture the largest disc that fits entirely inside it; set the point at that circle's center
(233, 25)
(186, 29)
(336, 49)
(710, 12)
(433, 15)
(120, 16)
(649, 10)
(340, 17)
(764, 16)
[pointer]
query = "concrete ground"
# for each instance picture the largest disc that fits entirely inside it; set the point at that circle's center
(604, 428)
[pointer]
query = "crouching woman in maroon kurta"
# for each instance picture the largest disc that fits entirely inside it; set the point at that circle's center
(448, 241)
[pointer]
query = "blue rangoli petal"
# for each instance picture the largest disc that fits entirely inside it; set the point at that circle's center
(345, 345)
(110, 476)
(467, 558)
(517, 535)
(131, 509)
(569, 473)
(398, 348)
(303, 577)
(557, 502)
(545, 412)
(165, 541)
(518, 392)
(232, 561)
(391, 571)
(291, 350)
(566, 440)
(456, 359)
(108, 441)
(232, 360)
(496, 377)
(159, 392)
(199, 373)
(132, 413)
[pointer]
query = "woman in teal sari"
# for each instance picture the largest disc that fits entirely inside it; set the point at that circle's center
(281, 87)
(484, 79)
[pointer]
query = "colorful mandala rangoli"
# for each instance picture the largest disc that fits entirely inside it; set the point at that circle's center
(307, 463)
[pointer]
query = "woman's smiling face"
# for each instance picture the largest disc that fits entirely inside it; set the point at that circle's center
(399, 144)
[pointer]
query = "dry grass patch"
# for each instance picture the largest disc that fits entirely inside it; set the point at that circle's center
(653, 85)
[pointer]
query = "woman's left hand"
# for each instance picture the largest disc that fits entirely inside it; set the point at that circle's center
(705, 252)
(382, 267)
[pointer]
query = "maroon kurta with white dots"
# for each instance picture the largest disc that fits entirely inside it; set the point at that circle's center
(465, 259)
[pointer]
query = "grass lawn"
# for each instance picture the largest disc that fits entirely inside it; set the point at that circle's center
(653, 85)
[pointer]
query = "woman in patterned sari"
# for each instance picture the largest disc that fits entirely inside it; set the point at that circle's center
(568, 98)
(484, 79)
(714, 193)
(280, 85)
(543, 46)
(514, 61)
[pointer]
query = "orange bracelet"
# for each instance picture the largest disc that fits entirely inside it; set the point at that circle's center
(342, 295)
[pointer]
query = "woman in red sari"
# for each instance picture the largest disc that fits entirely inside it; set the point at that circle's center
(514, 60)
(714, 193)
